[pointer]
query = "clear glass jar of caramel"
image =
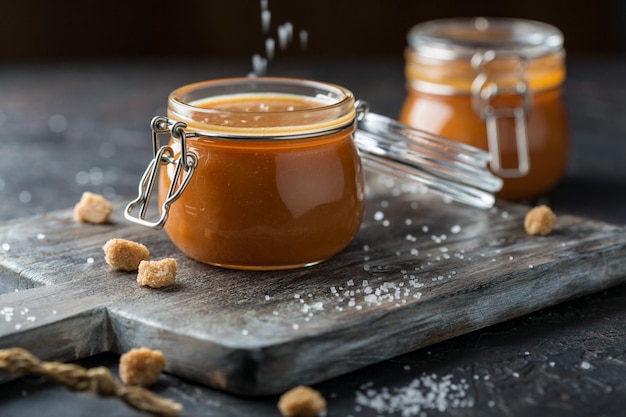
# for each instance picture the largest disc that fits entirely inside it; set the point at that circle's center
(493, 83)
(266, 173)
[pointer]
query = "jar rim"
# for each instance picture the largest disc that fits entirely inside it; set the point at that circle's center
(331, 106)
(461, 38)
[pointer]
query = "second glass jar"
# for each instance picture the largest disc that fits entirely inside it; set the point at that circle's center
(494, 83)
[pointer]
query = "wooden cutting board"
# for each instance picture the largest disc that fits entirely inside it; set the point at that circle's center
(421, 270)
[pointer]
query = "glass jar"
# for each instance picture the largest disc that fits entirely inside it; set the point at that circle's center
(493, 83)
(264, 173)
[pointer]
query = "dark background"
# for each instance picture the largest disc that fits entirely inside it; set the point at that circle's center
(39, 31)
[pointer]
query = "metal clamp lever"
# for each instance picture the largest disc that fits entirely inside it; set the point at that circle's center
(185, 166)
(484, 92)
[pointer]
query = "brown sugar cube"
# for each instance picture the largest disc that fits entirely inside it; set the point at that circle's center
(540, 221)
(125, 254)
(157, 274)
(301, 401)
(92, 208)
(141, 366)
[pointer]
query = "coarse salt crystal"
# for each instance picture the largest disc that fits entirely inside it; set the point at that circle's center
(6, 247)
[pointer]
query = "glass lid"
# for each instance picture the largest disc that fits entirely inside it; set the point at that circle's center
(460, 38)
(445, 166)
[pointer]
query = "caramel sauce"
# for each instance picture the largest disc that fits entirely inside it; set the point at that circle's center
(266, 203)
(452, 114)
(548, 140)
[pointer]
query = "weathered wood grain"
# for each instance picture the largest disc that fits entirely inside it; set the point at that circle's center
(420, 271)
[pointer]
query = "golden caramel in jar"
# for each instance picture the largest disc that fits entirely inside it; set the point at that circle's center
(495, 84)
(278, 183)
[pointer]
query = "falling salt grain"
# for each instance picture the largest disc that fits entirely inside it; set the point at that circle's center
(266, 19)
(295, 326)
(269, 48)
(304, 39)
(244, 332)
(6, 247)
(585, 365)
(455, 229)
(267, 297)
(41, 236)
(90, 260)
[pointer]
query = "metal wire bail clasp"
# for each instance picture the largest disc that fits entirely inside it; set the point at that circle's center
(185, 166)
(484, 92)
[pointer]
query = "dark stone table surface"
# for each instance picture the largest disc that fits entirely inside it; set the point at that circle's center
(84, 126)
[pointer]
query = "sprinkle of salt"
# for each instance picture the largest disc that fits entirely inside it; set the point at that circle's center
(428, 392)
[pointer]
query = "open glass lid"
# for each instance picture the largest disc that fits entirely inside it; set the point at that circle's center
(445, 166)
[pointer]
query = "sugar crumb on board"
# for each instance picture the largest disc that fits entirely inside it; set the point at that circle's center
(301, 401)
(125, 254)
(141, 366)
(92, 208)
(157, 274)
(540, 220)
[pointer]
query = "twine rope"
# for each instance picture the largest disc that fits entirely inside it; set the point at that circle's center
(99, 380)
